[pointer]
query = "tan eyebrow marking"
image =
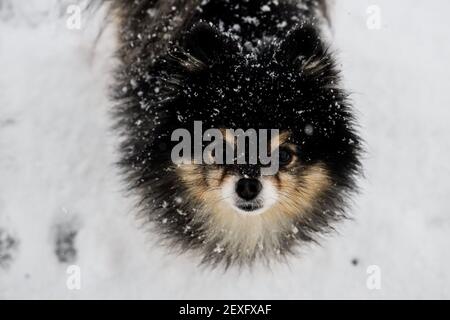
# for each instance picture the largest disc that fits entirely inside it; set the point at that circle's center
(275, 143)
(228, 137)
(282, 138)
(279, 140)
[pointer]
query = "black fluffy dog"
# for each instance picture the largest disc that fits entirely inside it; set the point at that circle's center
(234, 64)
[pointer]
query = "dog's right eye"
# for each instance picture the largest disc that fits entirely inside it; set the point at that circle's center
(285, 157)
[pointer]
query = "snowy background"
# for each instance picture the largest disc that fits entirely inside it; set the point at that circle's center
(62, 203)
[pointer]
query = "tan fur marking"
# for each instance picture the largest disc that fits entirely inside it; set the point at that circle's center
(298, 194)
(247, 235)
(282, 138)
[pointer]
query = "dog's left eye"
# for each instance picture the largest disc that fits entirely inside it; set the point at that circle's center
(285, 157)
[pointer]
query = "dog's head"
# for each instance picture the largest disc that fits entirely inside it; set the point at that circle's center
(233, 212)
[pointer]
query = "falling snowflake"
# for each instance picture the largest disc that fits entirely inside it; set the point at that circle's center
(218, 249)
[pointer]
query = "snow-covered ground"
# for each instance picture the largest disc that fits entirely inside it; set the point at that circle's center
(58, 179)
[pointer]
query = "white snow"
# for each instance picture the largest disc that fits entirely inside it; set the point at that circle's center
(58, 152)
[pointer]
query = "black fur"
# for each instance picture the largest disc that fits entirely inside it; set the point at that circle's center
(188, 60)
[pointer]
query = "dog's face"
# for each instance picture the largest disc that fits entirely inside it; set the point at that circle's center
(231, 212)
(248, 215)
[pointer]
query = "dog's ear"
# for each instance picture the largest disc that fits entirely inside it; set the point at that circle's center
(303, 41)
(207, 44)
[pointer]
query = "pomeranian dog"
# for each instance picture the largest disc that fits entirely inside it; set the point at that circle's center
(233, 64)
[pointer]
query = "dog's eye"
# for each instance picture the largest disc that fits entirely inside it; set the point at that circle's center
(285, 157)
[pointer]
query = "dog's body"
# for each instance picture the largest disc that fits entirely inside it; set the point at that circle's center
(234, 64)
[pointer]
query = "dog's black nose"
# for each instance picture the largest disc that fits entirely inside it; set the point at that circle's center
(248, 189)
